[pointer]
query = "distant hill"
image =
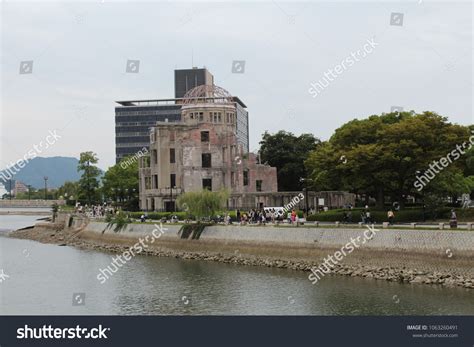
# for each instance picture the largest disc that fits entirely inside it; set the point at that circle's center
(57, 169)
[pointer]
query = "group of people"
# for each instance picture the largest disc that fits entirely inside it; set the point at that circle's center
(94, 211)
(264, 216)
(366, 216)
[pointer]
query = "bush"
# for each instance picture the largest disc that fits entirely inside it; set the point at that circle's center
(159, 215)
(402, 216)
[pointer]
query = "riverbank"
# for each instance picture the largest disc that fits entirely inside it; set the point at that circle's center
(408, 256)
(25, 213)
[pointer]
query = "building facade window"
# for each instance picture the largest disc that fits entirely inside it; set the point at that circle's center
(172, 156)
(207, 183)
(204, 136)
(155, 182)
(258, 185)
(206, 160)
(246, 178)
(173, 180)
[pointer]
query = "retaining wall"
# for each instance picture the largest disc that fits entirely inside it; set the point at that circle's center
(413, 240)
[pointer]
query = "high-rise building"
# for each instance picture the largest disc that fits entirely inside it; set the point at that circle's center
(135, 118)
(185, 80)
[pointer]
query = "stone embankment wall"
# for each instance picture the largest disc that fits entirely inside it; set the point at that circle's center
(30, 203)
(397, 240)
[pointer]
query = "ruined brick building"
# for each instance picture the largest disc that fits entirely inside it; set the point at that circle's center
(200, 139)
(206, 149)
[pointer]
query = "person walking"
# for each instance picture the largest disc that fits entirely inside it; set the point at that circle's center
(453, 222)
(293, 216)
(391, 217)
(368, 217)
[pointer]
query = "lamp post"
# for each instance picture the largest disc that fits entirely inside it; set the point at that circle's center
(45, 187)
(10, 195)
(29, 191)
(305, 190)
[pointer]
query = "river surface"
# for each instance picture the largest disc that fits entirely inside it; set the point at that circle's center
(43, 279)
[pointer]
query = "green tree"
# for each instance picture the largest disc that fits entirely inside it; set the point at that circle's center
(89, 181)
(204, 203)
(68, 191)
(381, 155)
(120, 183)
(287, 153)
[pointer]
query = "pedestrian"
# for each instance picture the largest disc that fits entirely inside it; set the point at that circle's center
(238, 215)
(362, 217)
(368, 218)
(142, 218)
(453, 222)
(391, 217)
(293, 216)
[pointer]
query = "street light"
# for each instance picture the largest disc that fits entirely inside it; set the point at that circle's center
(29, 191)
(305, 190)
(10, 189)
(45, 187)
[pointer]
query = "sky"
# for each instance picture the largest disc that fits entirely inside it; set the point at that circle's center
(422, 61)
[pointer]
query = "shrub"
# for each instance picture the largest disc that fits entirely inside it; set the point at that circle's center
(402, 216)
(119, 221)
(159, 215)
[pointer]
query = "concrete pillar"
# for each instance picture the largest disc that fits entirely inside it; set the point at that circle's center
(413, 225)
(469, 226)
(338, 224)
(360, 224)
(385, 225)
(441, 226)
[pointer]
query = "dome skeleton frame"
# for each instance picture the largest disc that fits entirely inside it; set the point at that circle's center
(205, 94)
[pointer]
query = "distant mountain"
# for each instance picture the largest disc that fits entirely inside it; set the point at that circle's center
(57, 169)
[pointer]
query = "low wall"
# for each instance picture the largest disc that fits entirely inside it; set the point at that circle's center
(410, 240)
(30, 203)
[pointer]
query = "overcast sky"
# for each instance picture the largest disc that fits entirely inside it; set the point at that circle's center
(79, 53)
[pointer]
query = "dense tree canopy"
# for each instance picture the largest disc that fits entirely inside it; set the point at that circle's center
(381, 156)
(89, 181)
(120, 183)
(287, 153)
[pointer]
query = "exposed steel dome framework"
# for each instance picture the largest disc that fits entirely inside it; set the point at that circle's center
(205, 94)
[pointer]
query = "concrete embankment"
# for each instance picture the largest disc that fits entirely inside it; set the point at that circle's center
(441, 257)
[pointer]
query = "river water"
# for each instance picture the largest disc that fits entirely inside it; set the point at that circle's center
(43, 279)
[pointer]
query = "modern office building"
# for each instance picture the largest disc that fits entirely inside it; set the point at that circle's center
(135, 118)
(185, 80)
